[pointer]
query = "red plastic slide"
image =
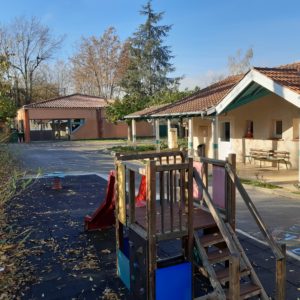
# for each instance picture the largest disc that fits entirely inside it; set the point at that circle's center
(104, 216)
(140, 199)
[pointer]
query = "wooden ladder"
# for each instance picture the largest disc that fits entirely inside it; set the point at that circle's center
(230, 273)
(224, 261)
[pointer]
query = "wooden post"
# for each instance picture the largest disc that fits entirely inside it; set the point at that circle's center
(151, 226)
(281, 275)
(169, 133)
(131, 197)
(117, 214)
(157, 138)
(231, 193)
(234, 277)
(190, 211)
(190, 138)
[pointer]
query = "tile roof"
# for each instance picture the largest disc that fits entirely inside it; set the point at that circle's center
(71, 101)
(203, 99)
(146, 111)
(286, 75)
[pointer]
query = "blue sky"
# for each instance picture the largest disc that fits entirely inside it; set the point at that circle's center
(204, 33)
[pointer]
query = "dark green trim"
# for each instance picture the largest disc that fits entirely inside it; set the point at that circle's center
(247, 99)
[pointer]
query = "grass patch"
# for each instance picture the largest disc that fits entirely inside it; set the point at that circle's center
(258, 183)
(129, 149)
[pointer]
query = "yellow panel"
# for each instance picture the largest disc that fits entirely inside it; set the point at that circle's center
(121, 194)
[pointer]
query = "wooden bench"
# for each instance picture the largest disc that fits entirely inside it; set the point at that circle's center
(269, 155)
(257, 154)
(279, 157)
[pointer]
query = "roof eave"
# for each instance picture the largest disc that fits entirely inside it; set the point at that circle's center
(265, 81)
(176, 115)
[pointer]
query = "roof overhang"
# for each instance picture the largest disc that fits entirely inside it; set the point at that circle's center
(265, 82)
(178, 115)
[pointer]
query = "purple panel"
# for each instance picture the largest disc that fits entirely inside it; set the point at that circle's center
(218, 186)
(197, 193)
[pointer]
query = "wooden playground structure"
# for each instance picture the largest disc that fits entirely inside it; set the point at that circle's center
(185, 232)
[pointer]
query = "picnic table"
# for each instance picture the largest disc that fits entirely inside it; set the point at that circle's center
(269, 156)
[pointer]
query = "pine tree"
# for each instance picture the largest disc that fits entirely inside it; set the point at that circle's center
(149, 68)
(150, 58)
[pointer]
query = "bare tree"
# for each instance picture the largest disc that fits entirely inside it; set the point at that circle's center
(240, 63)
(52, 80)
(62, 77)
(27, 44)
(98, 65)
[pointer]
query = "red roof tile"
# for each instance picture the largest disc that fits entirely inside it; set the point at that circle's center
(286, 75)
(203, 99)
(71, 101)
(146, 111)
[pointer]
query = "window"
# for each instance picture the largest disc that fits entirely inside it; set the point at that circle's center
(249, 129)
(278, 129)
(225, 134)
(76, 123)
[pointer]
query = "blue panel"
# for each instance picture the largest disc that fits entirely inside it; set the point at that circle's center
(124, 269)
(174, 282)
(126, 246)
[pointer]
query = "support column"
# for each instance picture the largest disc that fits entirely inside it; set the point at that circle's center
(169, 132)
(157, 137)
(299, 155)
(215, 137)
(190, 137)
(133, 125)
(26, 126)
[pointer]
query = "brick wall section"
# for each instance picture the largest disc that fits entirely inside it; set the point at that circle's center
(95, 126)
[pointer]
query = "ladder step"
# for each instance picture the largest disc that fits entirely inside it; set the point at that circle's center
(211, 239)
(218, 255)
(248, 290)
(223, 274)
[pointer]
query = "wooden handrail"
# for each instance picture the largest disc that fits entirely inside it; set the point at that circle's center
(211, 161)
(259, 221)
(150, 154)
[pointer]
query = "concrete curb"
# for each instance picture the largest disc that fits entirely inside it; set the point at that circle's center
(79, 173)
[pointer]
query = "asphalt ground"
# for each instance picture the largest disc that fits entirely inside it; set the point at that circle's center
(280, 211)
(69, 263)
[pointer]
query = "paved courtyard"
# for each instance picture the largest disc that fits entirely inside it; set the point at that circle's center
(280, 212)
(69, 157)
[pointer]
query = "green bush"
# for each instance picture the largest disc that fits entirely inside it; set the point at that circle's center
(139, 148)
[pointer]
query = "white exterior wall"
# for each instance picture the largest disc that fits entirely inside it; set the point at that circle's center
(264, 112)
(202, 134)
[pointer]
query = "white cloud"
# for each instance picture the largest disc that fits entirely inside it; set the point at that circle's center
(202, 80)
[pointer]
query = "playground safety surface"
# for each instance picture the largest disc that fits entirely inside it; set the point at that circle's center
(69, 263)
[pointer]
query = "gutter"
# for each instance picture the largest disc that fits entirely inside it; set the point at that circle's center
(198, 113)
